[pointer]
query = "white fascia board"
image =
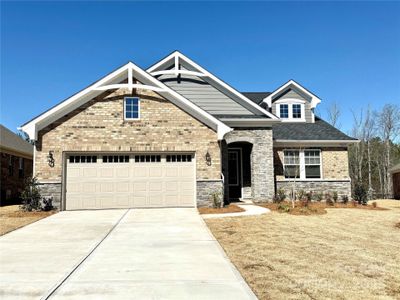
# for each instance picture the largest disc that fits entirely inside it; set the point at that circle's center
(314, 99)
(213, 78)
(249, 122)
(314, 143)
(32, 127)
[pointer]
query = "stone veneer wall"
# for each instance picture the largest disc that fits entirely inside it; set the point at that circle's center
(342, 187)
(335, 173)
(205, 188)
(262, 170)
(99, 125)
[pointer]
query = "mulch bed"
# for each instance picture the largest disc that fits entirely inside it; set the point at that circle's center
(226, 209)
(313, 208)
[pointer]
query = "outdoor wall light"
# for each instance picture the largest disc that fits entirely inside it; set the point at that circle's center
(208, 159)
(50, 159)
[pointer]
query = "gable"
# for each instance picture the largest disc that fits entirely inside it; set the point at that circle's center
(130, 77)
(203, 94)
(224, 100)
(291, 93)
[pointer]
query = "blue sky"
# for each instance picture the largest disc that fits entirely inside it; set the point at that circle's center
(348, 52)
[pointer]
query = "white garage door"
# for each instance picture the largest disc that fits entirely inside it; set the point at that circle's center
(127, 181)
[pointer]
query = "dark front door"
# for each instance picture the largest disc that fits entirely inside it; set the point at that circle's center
(235, 173)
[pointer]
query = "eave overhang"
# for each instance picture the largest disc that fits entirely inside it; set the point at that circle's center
(314, 143)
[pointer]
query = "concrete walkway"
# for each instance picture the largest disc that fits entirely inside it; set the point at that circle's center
(118, 254)
(250, 210)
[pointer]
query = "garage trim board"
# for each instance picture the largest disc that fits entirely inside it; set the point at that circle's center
(129, 180)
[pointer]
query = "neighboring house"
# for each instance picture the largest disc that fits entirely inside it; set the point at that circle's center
(174, 134)
(16, 165)
(395, 171)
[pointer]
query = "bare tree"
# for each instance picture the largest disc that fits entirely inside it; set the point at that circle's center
(369, 131)
(388, 126)
(358, 148)
(333, 112)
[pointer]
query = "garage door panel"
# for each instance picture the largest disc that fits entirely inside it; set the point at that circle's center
(122, 173)
(122, 187)
(106, 172)
(112, 183)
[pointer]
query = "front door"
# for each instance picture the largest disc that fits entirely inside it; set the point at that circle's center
(235, 173)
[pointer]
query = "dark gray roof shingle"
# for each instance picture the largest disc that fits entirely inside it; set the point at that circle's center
(9, 140)
(256, 97)
(320, 130)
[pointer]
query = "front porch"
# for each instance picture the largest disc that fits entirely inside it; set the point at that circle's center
(247, 165)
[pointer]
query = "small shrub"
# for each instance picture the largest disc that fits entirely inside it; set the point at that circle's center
(328, 199)
(335, 196)
(309, 196)
(284, 207)
(360, 194)
(216, 199)
(31, 195)
(280, 196)
(301, 195)
(345, 199)
(47, 203)
(318, 196)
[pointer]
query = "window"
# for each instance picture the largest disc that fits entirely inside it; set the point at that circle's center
(179, 158)
(296, 111)
(147, 158)
(302, 164)
(82, 159)
(291, 111)
(284, 111)
(292, 164)
(312, 163)
(131, 108)
(11, 166)
(115, 158)
(21, 168)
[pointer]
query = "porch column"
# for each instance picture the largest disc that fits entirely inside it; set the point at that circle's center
(262, 166)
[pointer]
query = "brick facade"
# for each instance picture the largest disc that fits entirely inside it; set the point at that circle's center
(12, 177)
(99, 125)
(335, 173)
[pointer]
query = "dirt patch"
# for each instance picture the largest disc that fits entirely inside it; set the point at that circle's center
(12, 218)
(314, 208)
(226, 209)
(342, 254)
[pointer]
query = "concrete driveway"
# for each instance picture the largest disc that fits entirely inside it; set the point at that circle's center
(118, 254)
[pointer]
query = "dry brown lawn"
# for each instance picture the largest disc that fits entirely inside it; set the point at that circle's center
(226, 209)
(343, 254)
(12, 218)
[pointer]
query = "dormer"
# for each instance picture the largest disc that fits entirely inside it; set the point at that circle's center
(292, 103)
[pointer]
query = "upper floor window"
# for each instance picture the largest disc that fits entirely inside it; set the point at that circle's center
(284, 111)
(302, 164)
(291, 111)
(131, 108)
(296, 111)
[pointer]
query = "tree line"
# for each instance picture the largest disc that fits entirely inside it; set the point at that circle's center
(378, 149)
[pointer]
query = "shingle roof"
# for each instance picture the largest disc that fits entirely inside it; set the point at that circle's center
(11, 141)
(256, 97)
(320, 130)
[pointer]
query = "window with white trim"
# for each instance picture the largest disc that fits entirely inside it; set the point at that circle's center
(284, 111)
(296, 111)
(312, 163)
(291, 111)
(131, 108)
(292, 163)
(302, 164)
